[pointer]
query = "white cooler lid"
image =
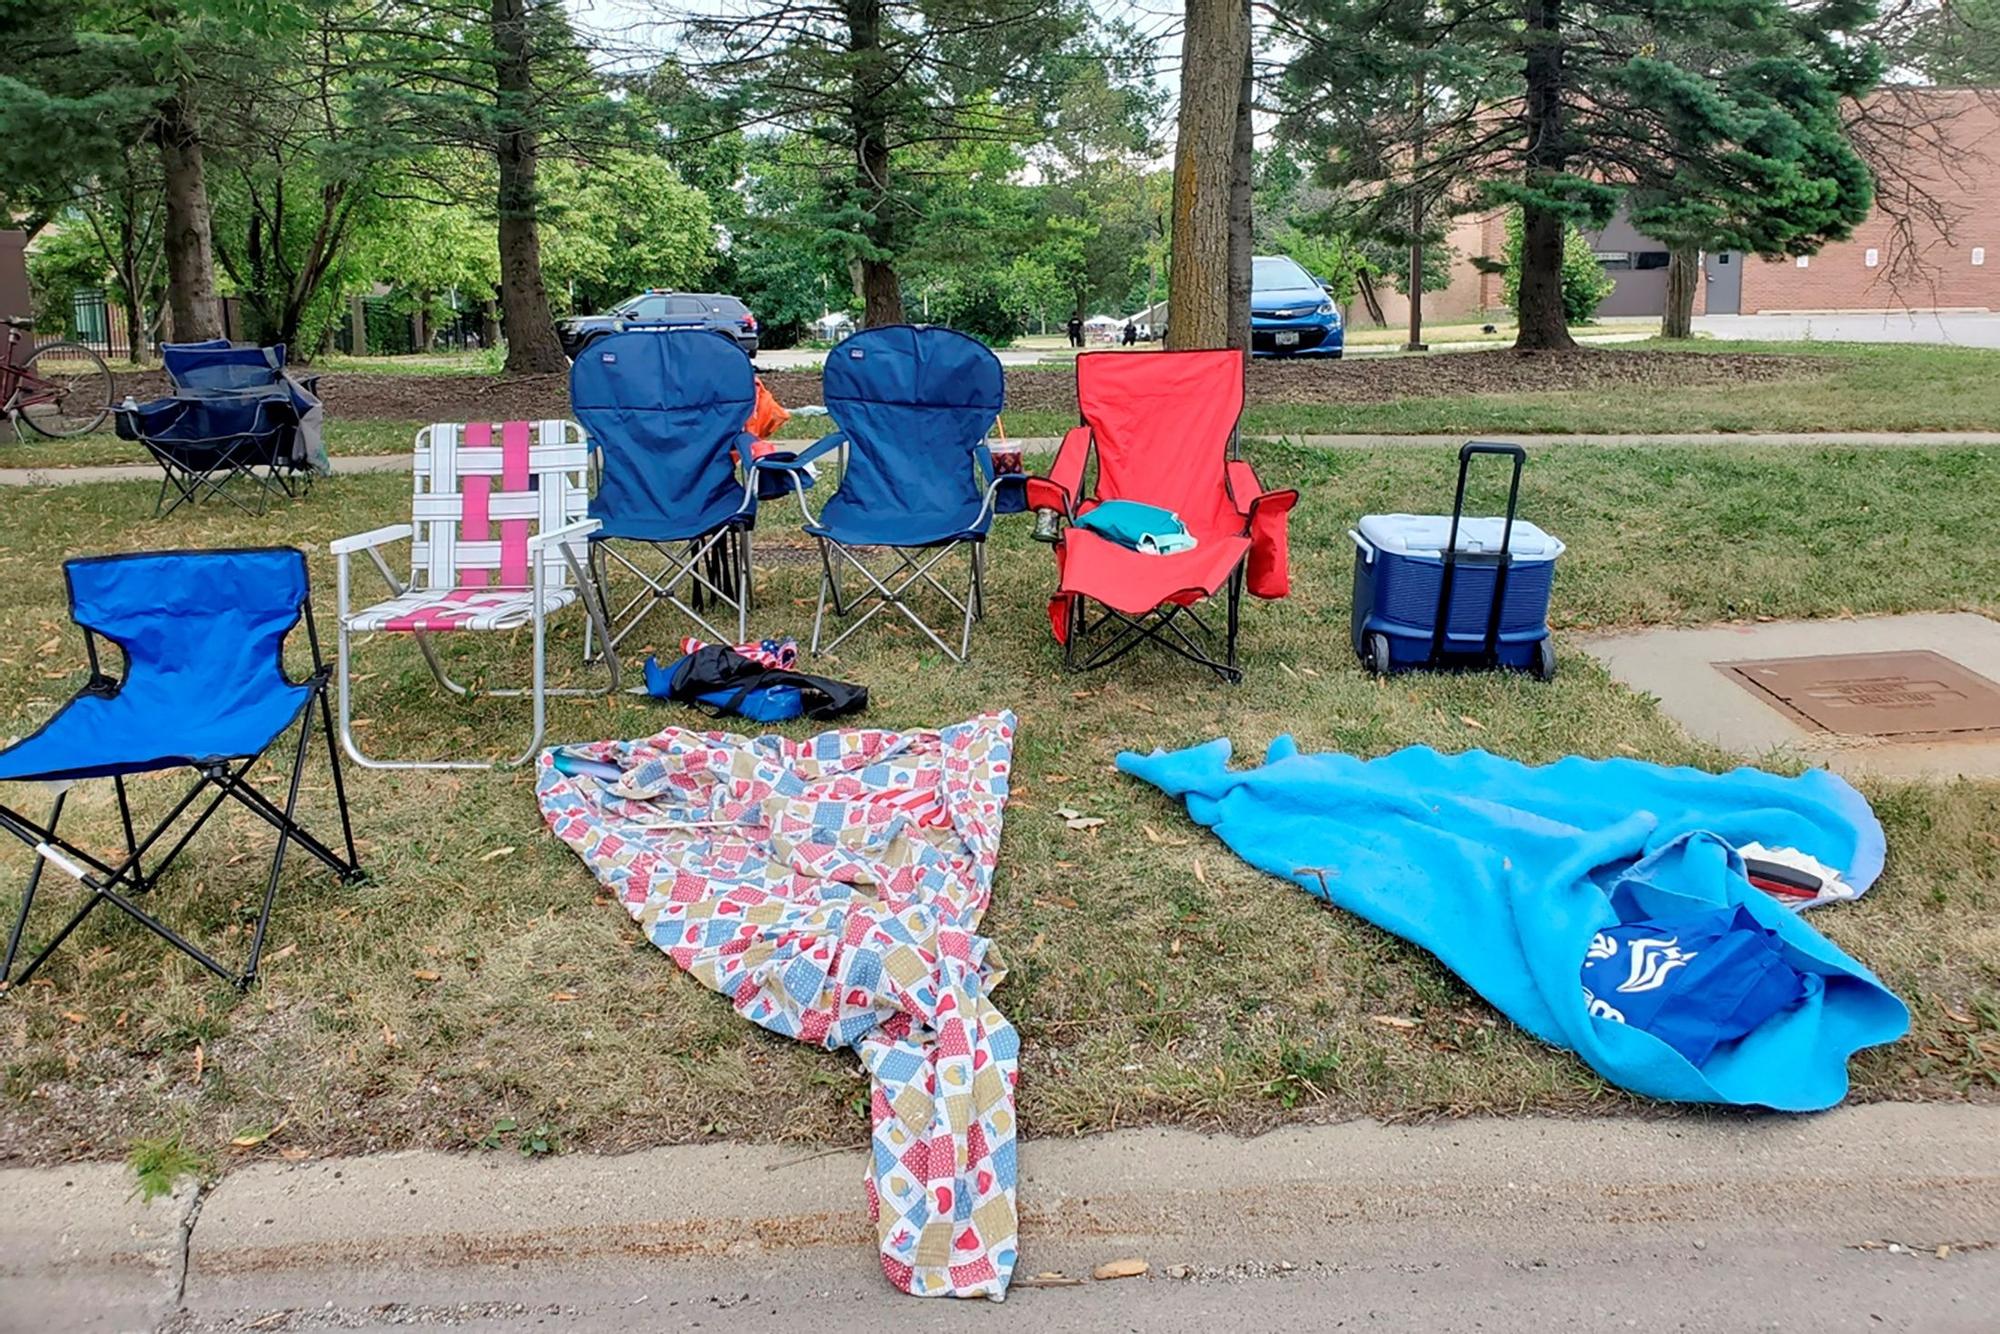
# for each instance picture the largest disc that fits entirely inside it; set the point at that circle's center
(1425, 535)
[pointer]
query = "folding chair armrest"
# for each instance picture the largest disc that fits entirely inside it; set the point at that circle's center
(819, 448)
(1062, 489)
(564, 536)
(395, 532)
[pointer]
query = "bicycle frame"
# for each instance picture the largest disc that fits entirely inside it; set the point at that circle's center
(19, 389)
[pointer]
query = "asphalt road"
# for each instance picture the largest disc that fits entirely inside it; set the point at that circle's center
(1882, 1217)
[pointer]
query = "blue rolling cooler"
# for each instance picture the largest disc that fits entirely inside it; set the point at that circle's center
(1441, 591)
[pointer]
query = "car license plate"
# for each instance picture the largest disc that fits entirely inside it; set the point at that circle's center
(1287, 340)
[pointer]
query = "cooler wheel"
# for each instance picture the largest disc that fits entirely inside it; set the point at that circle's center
(1376, 656)
(1545, 660)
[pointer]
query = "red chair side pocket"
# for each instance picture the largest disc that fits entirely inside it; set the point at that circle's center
(1270, 573)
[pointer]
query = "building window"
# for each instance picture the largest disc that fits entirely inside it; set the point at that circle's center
(1978, 255)
(1650, 259)
(1805, 261)
(1722, 258)
(1872, 258)
(1614, 259)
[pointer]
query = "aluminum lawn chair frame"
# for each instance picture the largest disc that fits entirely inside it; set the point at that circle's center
(203, 687)
(497, 542)
(912, 405)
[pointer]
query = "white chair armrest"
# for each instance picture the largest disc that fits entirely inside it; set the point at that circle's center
(395, 532)
(565, 535)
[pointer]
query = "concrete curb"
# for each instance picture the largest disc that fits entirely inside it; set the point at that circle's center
(420, 1229)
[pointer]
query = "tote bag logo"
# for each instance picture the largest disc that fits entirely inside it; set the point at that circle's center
(1653, 961)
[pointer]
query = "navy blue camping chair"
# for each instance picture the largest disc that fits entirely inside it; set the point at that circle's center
(234, 416)
(203, 688)
(665, 411)
(220, 366)
(912, 405)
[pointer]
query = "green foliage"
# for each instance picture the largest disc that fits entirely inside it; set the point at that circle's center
(160, 1164)
(898, 108)
(63, 264)
(1720, 118)
(1584, 281)
(620, 224)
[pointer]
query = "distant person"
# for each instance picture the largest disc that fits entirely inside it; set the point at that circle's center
(1075, 331)
(1131, 333)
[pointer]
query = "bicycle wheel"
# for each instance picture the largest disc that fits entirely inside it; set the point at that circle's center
(65, 390)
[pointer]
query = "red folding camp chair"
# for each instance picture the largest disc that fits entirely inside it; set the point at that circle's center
(1163, 427)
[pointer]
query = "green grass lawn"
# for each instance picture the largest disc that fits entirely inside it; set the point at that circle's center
(480, 976)
(344, 435)
(1865, 387)
(1839, 387)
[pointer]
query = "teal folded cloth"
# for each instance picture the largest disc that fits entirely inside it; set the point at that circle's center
(1147, 528)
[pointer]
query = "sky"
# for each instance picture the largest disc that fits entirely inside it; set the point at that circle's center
(647, 25)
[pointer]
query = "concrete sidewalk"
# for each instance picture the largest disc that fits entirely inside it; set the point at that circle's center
(344, 464)
(1865, 1218)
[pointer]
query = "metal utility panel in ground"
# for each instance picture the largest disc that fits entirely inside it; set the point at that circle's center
(1918, 695)
(1914, 695)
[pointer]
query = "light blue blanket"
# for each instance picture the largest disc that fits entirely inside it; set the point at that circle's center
(1506, 872)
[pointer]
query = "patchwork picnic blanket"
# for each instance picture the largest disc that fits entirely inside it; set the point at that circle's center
(1514, 876)
(832, 889)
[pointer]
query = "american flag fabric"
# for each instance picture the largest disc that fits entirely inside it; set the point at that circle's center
(778, 654)
(774, 872)
(481, 491)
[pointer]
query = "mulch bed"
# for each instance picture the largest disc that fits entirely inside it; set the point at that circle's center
(1053, 389)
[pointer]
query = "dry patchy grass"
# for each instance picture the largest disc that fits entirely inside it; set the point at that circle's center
(479, 978)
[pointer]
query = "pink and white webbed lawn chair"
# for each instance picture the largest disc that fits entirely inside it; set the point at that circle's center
(498, 540)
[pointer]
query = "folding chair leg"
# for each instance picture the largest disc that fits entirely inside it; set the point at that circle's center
(1235, 620)
(743, 576)
(971, 602)
(28, 896)
(827, 582)
(278, 857)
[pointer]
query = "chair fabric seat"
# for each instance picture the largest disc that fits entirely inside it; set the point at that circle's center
(201, 634)
(138, 730)
(1135, 583)
(857, 526)
(728, 512)
(471, 608)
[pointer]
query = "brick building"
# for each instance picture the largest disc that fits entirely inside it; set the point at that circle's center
(1943, 254)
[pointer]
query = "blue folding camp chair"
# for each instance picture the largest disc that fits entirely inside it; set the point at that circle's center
(235, 416)
(912, 406)
(665, 412)
(204, 688)
(217, 365)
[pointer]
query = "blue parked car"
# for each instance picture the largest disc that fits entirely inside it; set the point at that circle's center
(1290, 313)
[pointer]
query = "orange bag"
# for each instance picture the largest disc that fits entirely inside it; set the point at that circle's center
(768, 415)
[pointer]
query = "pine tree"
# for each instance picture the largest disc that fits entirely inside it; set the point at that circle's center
(1565, 107)
(510, 81)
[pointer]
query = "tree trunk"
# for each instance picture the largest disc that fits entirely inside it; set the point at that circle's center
(190, 258)
(532, 346)
(881, 294)
(1364, 285)
(1215, 43)
(489, 325)
(1683, 276)
(1242, 241)
(867, 121)
(135, 321)
(1544, 323)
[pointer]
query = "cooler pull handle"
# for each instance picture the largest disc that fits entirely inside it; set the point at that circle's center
(1466, 453)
